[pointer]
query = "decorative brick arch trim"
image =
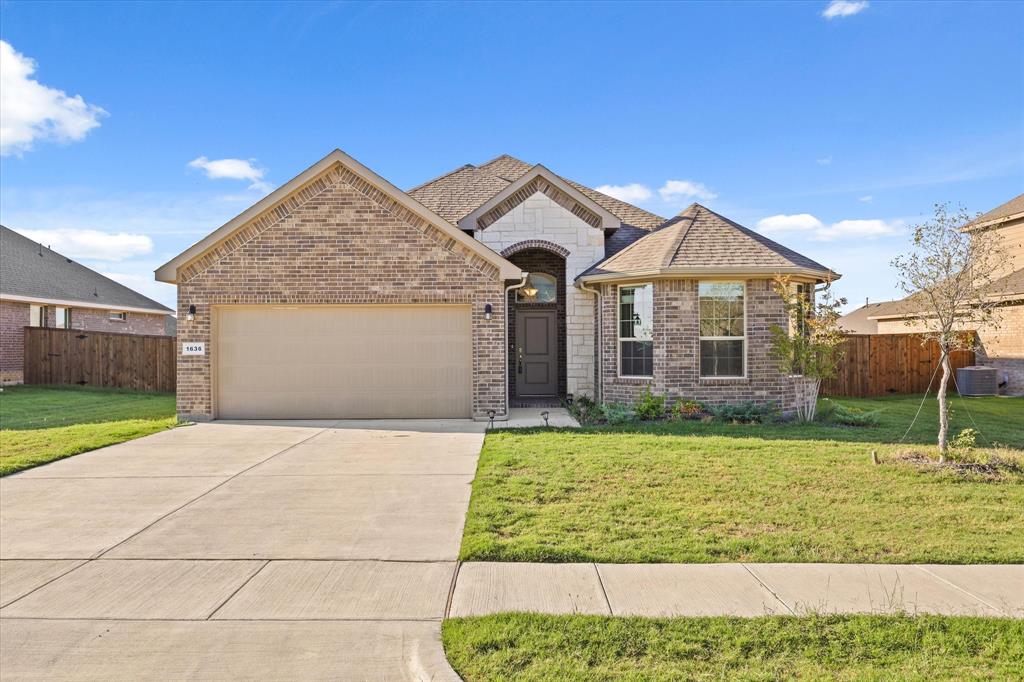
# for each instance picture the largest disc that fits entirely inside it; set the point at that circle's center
(539, 184)
(536, 244)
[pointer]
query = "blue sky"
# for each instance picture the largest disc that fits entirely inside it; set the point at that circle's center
(830, 134)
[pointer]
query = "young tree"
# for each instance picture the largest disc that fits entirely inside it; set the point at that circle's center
(810, 349)
(948, 275)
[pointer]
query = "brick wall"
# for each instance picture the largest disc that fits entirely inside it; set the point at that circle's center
(95, 320)
(14, 317)
(540, 217)
(1001, 342)
(677, 347)
(343, 243)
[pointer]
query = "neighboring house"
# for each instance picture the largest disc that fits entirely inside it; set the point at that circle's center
(41, 288)
(1001, 344)
(859, 321)
(339, 295)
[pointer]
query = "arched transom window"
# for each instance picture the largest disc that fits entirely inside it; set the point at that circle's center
(539, 288)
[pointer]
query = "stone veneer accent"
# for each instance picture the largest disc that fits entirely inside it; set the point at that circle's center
(15, 316)
(542, 186)
(677, 348)
(339, 240)
(539, 218)
(1001, 345)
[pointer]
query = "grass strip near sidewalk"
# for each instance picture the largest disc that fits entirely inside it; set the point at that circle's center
(40, 424)
(691, 492)
(538, 647)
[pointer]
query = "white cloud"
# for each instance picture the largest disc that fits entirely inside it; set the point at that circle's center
(844, 8)
(92, 244)
(233, 169)
(824, 161)
(800, 222)
(31, 111)
(632, 192)
(859, 229)
(674, 190)
(819, 232)
(866, 199)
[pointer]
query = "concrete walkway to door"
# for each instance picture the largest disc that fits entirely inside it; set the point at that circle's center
(291, 550)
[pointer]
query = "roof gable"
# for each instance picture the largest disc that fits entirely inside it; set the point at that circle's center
(458, 193)
(1011, 210)
(698, 240)
(540, 179)
(336, 166)
(34, 272)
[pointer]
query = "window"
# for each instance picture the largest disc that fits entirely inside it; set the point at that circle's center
(539, 288)
(62, 318)
(37, 316)
(636, 330)
(722, 329)
(118, 317)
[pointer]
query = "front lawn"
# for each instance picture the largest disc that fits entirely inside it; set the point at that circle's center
(39, 424)
(538, 647)
(694, 492)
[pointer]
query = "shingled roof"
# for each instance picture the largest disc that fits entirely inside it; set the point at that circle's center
(31, 271)
(1011, 210)
(700, 240)
(458, 193)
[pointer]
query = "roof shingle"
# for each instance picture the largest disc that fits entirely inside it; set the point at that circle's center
(30, 270)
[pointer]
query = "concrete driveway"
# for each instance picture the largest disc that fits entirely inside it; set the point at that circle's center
(270, 550)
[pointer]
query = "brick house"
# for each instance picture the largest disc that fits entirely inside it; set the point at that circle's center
(1001, 343)
(41, 288)
(339, 295)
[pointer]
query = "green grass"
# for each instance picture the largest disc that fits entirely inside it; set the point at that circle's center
(40, 424)
(693, 492)
(520, 646)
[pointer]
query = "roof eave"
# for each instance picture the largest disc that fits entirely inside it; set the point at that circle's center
(72, 303)
(992, 222)
(711, 271)
(168, 272)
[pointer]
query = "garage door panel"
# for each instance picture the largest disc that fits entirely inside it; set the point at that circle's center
(344, 362)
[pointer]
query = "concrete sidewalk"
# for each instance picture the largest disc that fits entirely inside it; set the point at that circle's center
(662, 590)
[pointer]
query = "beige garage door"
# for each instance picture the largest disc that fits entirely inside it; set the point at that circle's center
(343, 362)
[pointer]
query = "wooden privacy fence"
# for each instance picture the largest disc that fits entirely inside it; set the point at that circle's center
(73, 356)
(886, 364)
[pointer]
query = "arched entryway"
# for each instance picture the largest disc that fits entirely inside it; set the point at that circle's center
(537, 332)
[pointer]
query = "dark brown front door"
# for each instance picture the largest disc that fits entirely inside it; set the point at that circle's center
(536, 353)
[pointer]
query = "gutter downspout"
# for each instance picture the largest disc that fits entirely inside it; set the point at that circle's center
(598, 388)
(509, 288)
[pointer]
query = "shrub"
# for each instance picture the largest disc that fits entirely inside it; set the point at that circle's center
(584, 410)
(965, 440)
(852, 416)
(747, 412)
(616, 413)
(687, 409)
(648, 406)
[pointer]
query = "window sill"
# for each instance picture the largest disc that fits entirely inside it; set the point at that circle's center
(634, 380)
(723, 380)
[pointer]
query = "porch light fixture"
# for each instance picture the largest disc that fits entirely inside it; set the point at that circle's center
(531, 291)
(488, 311)
(191, 312)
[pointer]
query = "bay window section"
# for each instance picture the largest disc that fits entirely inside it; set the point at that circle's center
(636, 330)
(723, 342)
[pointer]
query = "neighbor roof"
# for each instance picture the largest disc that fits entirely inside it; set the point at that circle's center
(859, 321)
(698, 240)
(458, 193)
(1012, 209)
(30, 271)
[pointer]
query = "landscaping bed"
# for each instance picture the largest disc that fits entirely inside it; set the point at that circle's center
(40, 424)
(690, 491)
(537, 647)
